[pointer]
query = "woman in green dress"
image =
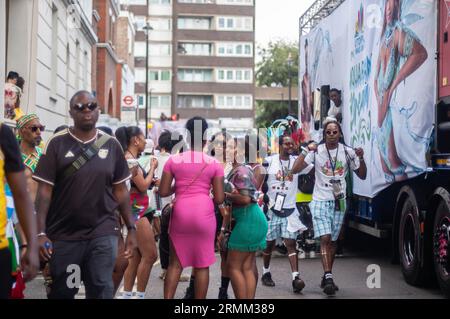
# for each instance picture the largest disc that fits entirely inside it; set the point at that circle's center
(250, 226)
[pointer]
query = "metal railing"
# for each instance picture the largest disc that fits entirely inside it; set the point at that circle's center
(319, 10)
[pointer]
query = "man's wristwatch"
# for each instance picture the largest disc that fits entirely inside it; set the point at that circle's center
(132, 227)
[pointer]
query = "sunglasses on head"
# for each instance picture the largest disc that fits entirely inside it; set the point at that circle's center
(81, 107)
(332, 132)
(36, 127)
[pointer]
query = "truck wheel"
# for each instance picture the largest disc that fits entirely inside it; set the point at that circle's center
(441, 247)
(410, 243)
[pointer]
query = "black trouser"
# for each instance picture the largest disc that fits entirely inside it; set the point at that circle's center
(91, 261)
(164, 245)
(5, 273)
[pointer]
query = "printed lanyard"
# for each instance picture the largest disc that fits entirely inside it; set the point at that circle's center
(283, 176)
(333, 165)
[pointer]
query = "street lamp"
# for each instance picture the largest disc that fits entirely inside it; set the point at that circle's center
(147, 28)
(289, 62)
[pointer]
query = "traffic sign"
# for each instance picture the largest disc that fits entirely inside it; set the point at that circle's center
(128, 100)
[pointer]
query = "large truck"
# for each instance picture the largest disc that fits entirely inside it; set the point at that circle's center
(361, 47)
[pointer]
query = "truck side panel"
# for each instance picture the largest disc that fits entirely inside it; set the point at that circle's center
(444, 49)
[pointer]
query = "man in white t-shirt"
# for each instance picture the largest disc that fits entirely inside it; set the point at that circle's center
(332, 160)
(284, 219)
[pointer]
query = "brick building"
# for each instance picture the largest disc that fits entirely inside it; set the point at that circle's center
(108, 64)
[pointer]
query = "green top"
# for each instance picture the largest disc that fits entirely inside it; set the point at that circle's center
(32, 160)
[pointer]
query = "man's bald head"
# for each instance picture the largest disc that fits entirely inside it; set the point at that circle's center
(80, 94)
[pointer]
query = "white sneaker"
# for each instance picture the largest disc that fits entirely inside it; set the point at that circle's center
(312, 254)
(301, 254)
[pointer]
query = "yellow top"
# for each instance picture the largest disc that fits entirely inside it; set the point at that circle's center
(304, 198)
(3, 214)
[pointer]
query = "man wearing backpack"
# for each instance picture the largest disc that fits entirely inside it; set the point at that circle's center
(82, 175)
(280, 187)
(332, 161)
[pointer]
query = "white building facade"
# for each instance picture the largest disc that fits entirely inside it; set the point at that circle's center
(49, 43)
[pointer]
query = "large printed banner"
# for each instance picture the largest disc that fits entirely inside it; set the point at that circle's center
(381, 55)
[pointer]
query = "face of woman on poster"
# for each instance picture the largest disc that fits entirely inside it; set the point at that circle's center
(391, 12)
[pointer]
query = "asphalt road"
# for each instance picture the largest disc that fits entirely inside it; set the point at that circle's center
(350, 272)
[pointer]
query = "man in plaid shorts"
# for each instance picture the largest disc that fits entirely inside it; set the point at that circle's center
(283, 217)
(332, 160)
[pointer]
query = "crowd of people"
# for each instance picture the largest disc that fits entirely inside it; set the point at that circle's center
(103, 202)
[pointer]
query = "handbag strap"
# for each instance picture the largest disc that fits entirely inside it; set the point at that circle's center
(192, 182)
(86, 156)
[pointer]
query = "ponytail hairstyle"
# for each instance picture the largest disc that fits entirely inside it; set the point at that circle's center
(124, 134)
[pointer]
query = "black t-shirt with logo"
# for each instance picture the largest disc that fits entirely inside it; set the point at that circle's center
(82, 205)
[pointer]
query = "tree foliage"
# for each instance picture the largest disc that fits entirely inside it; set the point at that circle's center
(273, 71)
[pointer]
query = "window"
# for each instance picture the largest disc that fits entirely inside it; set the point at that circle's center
(247, 76)
(195, 48)
(195, 75)
(235, 76)
(164, 101)
(194, 23)
(54, 58)
(153, 75)
(194, 101)
(163, 2)
(139, 49)
(139, 75)
(229, 101)
(195, 1)
(138, 2)
(238, 100)
(165, 75)
(235, 2)
(248, 49)
(248, 101)
(159, 49)
(159, 75)
(237, 49)
(221, 101)
(161, 24)
(160, 101)
(221, 23)
(235, 23)
(234, 102)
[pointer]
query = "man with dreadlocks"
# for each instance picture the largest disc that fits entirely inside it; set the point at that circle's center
(332, 160)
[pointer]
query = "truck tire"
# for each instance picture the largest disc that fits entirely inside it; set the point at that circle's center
(410, 244)
(441, 247)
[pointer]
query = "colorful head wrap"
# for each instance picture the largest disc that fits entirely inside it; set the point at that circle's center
(21, 122)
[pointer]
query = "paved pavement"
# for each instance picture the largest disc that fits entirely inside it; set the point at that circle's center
(350, 274)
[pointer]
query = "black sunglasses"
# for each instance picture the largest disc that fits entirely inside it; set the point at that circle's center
(332, 132)
(35, 128)
(81, 107)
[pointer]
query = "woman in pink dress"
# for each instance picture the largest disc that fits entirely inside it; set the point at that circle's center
(193, 223)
